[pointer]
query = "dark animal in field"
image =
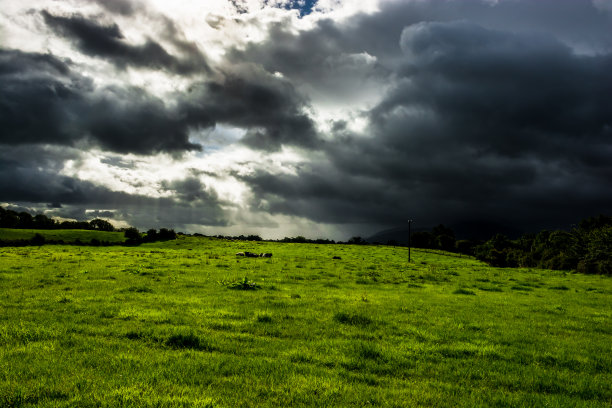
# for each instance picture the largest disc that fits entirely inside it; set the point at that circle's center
(336, 257)
(254, 255)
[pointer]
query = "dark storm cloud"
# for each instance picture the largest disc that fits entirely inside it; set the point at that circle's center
(43, 100)
(498, 94)
(17, 62)
(108, 42)
(170, 31)
(322, 194)
(131, 120)
(268, 107)
(482, 124)
(190, 190)
(322, 58)
(578, 23)
(310, 55)
(37, 91)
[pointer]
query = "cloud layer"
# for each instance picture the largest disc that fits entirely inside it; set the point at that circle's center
(443, 111)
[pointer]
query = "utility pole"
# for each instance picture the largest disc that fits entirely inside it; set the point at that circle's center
(409, 224)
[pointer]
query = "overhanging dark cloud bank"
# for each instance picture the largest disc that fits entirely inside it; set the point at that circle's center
(496, 112)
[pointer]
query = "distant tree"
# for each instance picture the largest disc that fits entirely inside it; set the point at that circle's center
(422, 239)
(25, 220)
(41, 221)
(132, 235)
(598, 257)
(324, 241)
(525, 242)
(8, 218)
(357, 241)
(586, 248)
(152, 235)
(465, 246)
(594, 223)
(444, 238)
(74, 225)
(495, 251)
(166, 234)
(101, 225)
(445, 242)
(442, 230)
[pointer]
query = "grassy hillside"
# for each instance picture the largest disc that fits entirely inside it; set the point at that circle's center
(165, 325)
(8, 234)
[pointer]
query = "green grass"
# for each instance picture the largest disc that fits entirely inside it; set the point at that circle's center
(9, 234)
(160, 326)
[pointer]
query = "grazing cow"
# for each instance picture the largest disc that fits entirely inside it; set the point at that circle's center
(239, 253)
(251, 255)
(266, 255)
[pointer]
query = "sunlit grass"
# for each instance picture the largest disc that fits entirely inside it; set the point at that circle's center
(160, 326)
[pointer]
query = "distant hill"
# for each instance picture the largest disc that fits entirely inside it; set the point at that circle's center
(473, 230)
(398, 234)
(484, 230)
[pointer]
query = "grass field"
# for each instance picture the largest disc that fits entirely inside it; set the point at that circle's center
(9, 234)
(166, 325)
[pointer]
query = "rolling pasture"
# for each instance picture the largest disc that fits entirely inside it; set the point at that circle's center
(186, 323)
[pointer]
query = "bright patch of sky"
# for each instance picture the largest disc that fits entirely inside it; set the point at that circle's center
(303, 6)
(146, 175)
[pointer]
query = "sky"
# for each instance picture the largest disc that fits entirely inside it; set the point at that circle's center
(325, 119)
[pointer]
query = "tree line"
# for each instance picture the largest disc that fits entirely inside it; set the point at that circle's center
(135, 237)
(586, 248)
(24, 220)
(295, 240)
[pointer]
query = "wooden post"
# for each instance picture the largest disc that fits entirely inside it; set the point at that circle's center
(409, 224)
